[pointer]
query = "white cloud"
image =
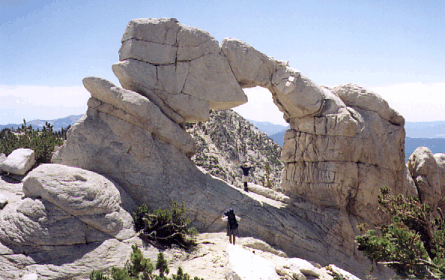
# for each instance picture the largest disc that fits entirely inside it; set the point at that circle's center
(40, 102)
(416, 102)
(260, 107)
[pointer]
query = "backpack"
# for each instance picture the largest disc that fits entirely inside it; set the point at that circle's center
(233, 224)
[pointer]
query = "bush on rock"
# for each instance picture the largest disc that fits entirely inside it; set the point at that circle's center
(164, 227)
(43, 142)
(413, 244)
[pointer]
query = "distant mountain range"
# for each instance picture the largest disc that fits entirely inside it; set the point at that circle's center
(269, 128)
(425, 129)
(418, 134)
(58, 124)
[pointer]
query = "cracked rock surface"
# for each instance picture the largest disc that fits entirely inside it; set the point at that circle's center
(180, 64)
(63, 222)
(343, 145)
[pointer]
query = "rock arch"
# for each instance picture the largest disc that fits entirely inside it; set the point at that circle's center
(344, 143)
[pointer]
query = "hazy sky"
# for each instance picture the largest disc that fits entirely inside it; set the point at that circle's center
(395, 48)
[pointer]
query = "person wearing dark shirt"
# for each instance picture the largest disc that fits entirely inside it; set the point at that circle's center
(232, 224)
(246, 168)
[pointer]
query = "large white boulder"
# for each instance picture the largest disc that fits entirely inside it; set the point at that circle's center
(19, 161)
(178, 64)
(427, 171)
(36, 222)
(77, 191)
(67, 206)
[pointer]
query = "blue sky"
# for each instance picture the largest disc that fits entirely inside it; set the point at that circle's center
(395, 48)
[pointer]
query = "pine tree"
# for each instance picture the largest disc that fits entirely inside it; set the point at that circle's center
(162, 266)
(413, 244)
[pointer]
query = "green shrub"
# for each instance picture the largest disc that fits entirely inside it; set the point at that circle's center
(164, 227)
(162, 266)
(98, 275)
(412, 244)
(120, 274)
(42, 142)
(140, 268)
(139, 264)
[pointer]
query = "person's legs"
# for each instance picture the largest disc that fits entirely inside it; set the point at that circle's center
(245, 180)
(233, 239)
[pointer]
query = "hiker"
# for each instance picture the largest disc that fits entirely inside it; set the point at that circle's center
(246, 170)
(232, 224)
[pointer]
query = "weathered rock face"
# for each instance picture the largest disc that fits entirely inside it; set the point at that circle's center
(343, 145)
(147, 167)
(156, 173)
(69, 222)
(177, 67)
(428, 173)
(66, 206)
(137, 110)
(352, 153)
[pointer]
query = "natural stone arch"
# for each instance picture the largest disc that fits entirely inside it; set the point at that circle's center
(294, 94)
(344, 143)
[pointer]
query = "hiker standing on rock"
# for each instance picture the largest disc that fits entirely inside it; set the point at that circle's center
(232, 224)
(246, 168)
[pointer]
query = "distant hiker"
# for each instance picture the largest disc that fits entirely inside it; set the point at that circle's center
(246, 168)
(232, 224)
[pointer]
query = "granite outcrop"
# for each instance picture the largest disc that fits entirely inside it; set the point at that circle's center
(427, 170)
(343, 145)
(62, 222)
(179, 68)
